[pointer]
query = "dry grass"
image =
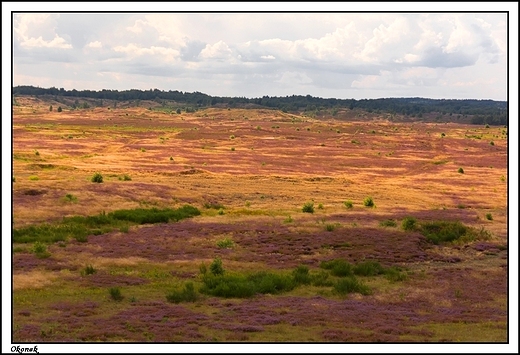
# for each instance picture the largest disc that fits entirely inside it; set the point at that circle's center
(407, 171)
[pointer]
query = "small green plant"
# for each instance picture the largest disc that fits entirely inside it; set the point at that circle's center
(232, 149)
(460, 171)
(443, 135)
(351, 285)
(388, 223)
(409, 223)
(320, 206)
(502, 178)
(216, 267)
(71, 198)
(40, 250)
(394, 274)
(321, 279)
(143, 150)
(348, 204)
(491, 143)
(221, 212)
(124, 229)
(368, 268)
(338, 267)
(115, 293)
(125, 177)
(37, 153)
(97, 178)
(329, 227)
(308, 207)
(89, 270)
(368, 202)
(50, 108)
(248, 204)
(301, 275)
(487, 126)
(232, 136)
(188, 294)
(60, 109)
(489, 216)
(225, 243)
(34, 178)
(289, 219)
(171, 158)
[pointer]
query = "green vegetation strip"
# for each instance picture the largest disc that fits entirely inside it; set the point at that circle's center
(79, 227)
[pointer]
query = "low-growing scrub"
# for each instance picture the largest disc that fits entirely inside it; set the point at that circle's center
(351, 285)
(188, 294)
(409, 223)
(225, 243)
(369, 202)
(308, 207)
(388, 223)
(338, 267)
(115, 294)
(97, 178)
(348, 204)
(443, 231)
(40, 250)
(88, 270)
(79, 227)
(368, 268)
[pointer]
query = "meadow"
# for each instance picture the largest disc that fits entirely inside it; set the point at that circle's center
(255, 225)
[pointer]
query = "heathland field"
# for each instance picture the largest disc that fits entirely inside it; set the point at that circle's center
(250, 225)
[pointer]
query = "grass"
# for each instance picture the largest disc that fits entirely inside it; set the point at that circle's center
(348, 204)
(70, 198)
(115, 294)
(88, 270)
(409, 223)
(80, 227)
(34, 178)
(351, 285)
(125, 177)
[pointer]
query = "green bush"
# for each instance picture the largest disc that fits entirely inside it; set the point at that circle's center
(321, 279)
(40, 250)
(97, 178)
(125, 177)
(409, 223)
(308, 207)
(329, 227)
(368, 202)
(89, 270)
(351, 285)
(368, 268)
(489, 216)
(216, 267)
(71, 198)
(225, 243)
(393, 274)
(348, 204)
(388, 223)
(338, 267)
(443, 231)
(213, 205)
(301, 275)
(188, 294)
(115, 293)
(460, 171)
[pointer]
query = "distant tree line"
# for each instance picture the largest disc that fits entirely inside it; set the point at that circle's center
(481, 111)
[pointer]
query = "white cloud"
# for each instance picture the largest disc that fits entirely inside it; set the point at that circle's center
(218, 51)
(94, 44)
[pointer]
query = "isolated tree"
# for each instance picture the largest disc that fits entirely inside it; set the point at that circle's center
(50, 108)
(59, 109)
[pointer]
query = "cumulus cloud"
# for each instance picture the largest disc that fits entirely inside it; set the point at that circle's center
(318, 53)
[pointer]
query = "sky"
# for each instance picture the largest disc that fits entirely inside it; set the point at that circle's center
(331, 55)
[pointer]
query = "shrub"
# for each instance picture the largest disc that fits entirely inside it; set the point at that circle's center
(393, 274)
(443, 135)
(487, 126)
(489, 216)
(329, 227)
(368, 202)
(348, 204)
(351, 285)
(188, 294)
(60, 109)
(408, 223)
(216, 267)
(320, 206)
(89, 270)
(443, 231)
(178, 111)
(368, 268)
(115, 293)
(308, 207)
(388, 223)
(214, 205)
(125, 177)
(221, 211)
(491, 143)
(171, 158)
(97, 178)
(289, 219)
(232, 149)
(225, 243)
(40, 250)
(232, 136)
(301, 275)
(460, 171)
(321, 279)
(338, 267)
(71, 198)
(34, 178)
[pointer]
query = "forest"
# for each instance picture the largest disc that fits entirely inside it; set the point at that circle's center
(481, 111)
